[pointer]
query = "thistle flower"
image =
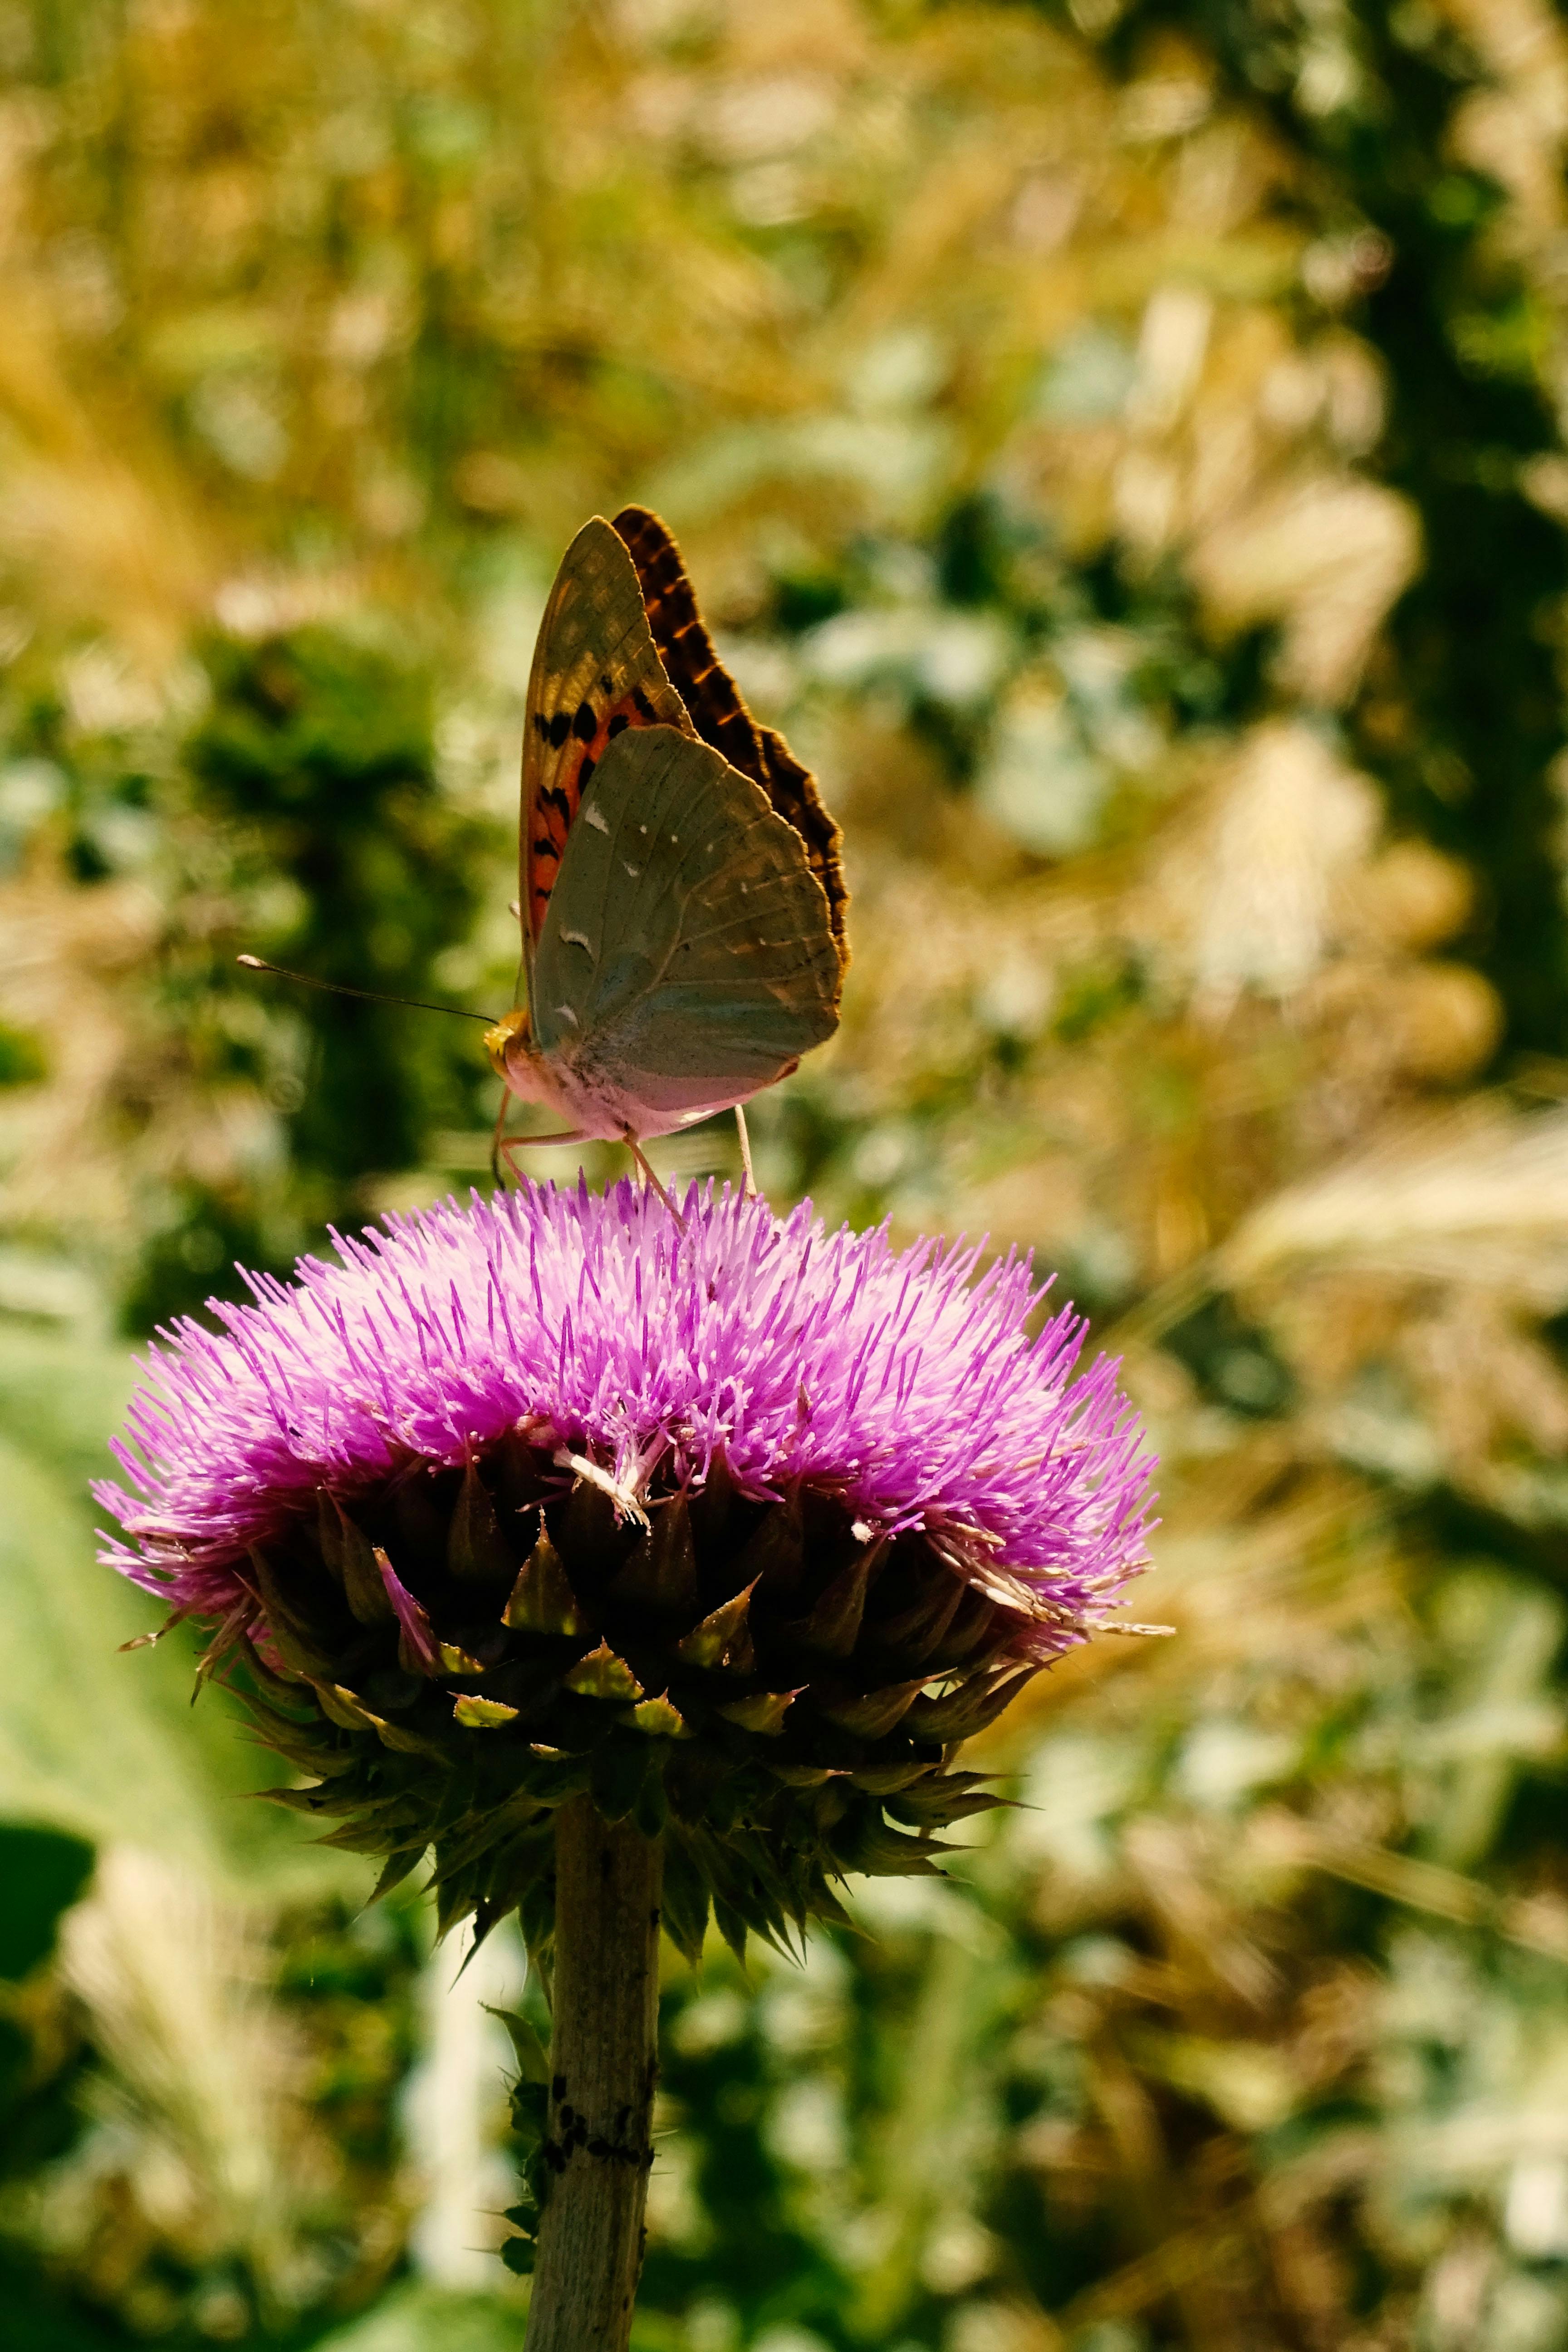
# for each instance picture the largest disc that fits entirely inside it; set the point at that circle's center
(734, 1526)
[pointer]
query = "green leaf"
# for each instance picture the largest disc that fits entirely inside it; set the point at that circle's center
(409, 1743)
(723, 1639)
(969, 1708)
(397, 1868)
(882, 1852)
(294, 1636)
(661, 1572)
(476, 1552)
(764, 1711)
(916, 1630)
(659, 1718)
(416, 1650)
(777, 1551)
(833, 1624)
(532, 2058)
(478, 1713)
(530, 2108)
(345, 1708)
(871, 1715)
(602, 1674)
(351, 1557)
(685, 1900)
(939, 1797)
(542, 1600)
(458, 1662)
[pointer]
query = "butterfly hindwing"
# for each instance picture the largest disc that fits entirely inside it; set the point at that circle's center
(596, 673)
(688, 956)
(718, 710)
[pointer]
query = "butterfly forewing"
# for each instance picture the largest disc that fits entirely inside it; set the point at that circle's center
(720, 713)
(595, 674)
(688, 957)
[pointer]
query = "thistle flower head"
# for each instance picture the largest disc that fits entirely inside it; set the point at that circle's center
(738, 1523)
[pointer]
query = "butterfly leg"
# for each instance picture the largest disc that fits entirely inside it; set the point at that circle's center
(507, 1144)
(646, 1172)
(748, 1175)
(498, 1144)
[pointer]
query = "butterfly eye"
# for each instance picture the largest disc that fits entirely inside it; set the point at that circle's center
(511, 1027)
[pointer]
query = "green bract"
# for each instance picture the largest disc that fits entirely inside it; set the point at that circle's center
(772, 1688)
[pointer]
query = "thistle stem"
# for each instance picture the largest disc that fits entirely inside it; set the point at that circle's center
(604, 2059)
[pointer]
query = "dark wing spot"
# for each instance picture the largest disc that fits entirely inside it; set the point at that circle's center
(585, 725)
(547, 849)
(606, 685)
(643, 706)
(584, 771)
(542, 725)
(556, 793)
(560, 727)
(617, 725)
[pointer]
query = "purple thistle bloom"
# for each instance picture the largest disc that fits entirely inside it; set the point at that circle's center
(896, 1382)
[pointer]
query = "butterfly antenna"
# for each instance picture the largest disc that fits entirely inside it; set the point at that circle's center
(366, 995)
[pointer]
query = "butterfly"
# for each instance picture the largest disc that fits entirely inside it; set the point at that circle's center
(681, 892)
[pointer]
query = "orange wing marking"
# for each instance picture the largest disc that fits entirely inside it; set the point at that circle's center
(554, 811)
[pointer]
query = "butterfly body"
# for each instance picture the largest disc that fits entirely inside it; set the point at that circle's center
(600, 1101)
(681, 896)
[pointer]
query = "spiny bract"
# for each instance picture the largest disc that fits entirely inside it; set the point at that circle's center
(739, 1526)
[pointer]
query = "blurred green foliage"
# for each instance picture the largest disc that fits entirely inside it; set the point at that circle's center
(44, 1873)
(312, 774)
(1467, 684)
(1124, 445)
(322, 751)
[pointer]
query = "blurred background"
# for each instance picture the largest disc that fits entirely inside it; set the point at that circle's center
(1123, 444)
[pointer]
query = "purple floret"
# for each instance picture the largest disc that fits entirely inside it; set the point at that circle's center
(897, 1381)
